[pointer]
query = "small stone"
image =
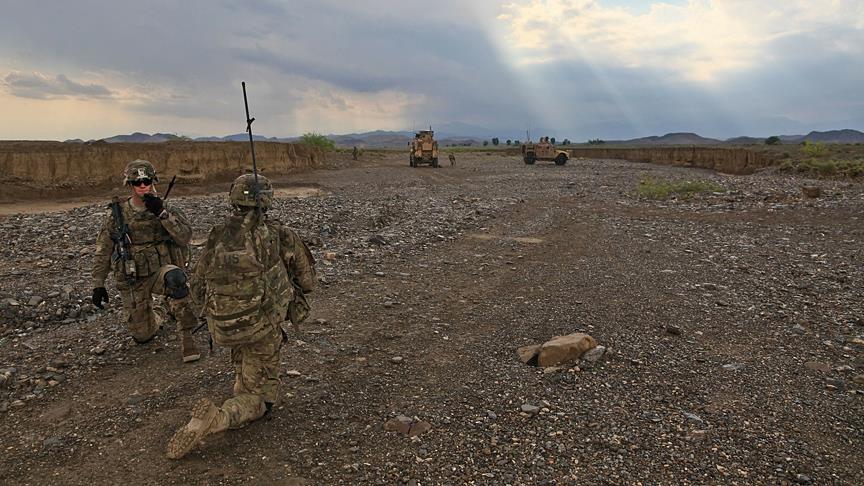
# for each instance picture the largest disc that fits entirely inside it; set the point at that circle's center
(803, 479)
(673, 330)
(379, 274)
(292, 373)
(551, 369)
(4, 406)
(692, 417)
(491, 415)
(733, 366)
(420, 427)
(817, 366)
(97, 350)
(396, 359)
(401, 424)
(135, 399)
(594, 355)
(377, 239)
(18, 404)
(35, 300)
(530, 409)
(858, 379)
(799, 329)
(528, 354)
(52, 443)
(330, 255)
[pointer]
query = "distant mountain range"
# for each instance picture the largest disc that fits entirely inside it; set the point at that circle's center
(391, 139)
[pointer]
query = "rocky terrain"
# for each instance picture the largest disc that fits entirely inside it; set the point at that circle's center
(732, 322)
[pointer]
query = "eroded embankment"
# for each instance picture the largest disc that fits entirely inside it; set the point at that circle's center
(36, 170)
(722, 159)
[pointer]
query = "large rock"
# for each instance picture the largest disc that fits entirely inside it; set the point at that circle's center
(528, 354)
(563, 349)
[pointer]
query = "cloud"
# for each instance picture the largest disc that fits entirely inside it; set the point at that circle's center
(41, 86)
(699, 40)
(584, 68)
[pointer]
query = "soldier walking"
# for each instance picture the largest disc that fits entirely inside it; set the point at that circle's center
(157, 250)
(249, 278)
(355, 152)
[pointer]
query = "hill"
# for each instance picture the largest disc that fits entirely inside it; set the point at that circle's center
(681, 138)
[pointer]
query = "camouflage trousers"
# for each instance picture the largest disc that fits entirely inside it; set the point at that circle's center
(141, 319)
(256, 381)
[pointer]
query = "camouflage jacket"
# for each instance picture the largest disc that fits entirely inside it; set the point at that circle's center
(292, 254)
(155, 242)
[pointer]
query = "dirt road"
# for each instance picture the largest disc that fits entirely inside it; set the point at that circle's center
(734, 321)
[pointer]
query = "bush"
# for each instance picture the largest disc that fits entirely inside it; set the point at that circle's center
(825, 168)
(654, 189)
(813, 149)
(772, 140)
(317, 140)
(596, 141)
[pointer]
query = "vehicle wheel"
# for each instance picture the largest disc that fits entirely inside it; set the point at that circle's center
(529, 159)
(561, 159)
(411, 161)
(435, 162)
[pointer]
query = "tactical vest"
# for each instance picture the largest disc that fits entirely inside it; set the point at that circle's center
(152, 245)
(247, 284)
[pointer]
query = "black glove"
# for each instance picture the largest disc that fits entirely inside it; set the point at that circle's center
(154, 204)
(100, 295)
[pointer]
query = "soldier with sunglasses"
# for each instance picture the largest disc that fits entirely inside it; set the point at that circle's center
(159, 245)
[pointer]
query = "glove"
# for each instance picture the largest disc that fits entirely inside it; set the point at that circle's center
(154, 204)
(100, 295)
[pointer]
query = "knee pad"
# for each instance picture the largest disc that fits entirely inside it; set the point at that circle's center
(175, 284)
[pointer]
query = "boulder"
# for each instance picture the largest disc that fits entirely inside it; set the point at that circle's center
(563, 349)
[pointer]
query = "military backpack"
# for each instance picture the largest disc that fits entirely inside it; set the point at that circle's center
(247, 284)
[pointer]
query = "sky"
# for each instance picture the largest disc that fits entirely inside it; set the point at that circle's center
(577, 69)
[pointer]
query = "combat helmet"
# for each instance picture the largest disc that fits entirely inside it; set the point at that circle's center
(139, 169)
(242, 192)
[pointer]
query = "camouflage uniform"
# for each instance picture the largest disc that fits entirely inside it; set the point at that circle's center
(159, 247)
(273, 257)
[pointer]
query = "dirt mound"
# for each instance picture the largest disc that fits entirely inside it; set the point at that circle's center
(727, 160)
(35, 170)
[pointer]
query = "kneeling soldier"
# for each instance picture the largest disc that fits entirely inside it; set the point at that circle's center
(250, 278)
(146, 243)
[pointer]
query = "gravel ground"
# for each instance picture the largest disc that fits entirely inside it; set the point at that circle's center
(733, 322)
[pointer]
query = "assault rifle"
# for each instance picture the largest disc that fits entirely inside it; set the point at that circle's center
(122, 242)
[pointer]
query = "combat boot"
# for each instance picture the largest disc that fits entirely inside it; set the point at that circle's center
(188, 348)
(206, 419)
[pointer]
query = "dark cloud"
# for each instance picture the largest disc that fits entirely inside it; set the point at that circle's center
(39, 86)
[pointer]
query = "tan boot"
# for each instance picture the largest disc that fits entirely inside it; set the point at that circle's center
(188, 348)
(205, 420)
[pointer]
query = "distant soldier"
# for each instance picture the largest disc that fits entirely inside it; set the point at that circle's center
(156, 248)
(250, 278)
(452, 160)
(355, 152)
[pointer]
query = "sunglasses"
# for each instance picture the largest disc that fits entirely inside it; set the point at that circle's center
(141, 182)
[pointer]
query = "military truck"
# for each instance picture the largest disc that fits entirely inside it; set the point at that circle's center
(543, 150)
(424, 149)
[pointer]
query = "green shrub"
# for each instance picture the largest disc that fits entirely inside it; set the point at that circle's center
(317, 140)
(656, 189)
(813, 149)
(825, 167)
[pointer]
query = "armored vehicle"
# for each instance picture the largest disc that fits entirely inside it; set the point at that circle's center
(424, 149)
(543, 150)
